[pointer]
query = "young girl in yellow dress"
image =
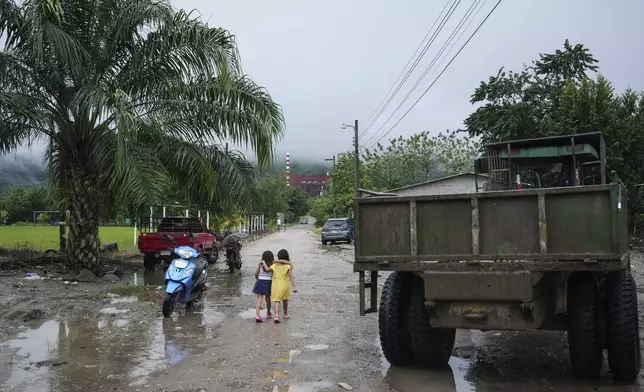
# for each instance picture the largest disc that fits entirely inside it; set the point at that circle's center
(280, 288)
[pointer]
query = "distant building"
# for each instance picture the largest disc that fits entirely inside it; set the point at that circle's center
(312, 185)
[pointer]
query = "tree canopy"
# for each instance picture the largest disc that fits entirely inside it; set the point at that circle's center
(562, 93)
(404, 161)
(134, 100)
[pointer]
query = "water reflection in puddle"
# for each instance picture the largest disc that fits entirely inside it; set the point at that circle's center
(317, 347)
(113, 310)
(28, 349)
(108, 351)
(451, 379)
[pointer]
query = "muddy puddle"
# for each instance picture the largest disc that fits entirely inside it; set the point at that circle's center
(117, 347)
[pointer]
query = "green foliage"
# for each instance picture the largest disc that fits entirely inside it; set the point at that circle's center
(272, 197)
(298, 205)
(18, 203)
(43, 218)
(404, 161)
(321, 209)
(135, 99)
(556, 96)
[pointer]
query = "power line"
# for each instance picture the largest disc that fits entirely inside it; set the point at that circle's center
(447, 16)
(459, 28)
(442, 72)
(406, 65)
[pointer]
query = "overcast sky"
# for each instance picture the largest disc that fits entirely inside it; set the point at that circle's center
(329, 62)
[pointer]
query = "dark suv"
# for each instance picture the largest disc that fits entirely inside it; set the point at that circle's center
(338, 229)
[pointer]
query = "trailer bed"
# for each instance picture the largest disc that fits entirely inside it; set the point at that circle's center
(550, 229)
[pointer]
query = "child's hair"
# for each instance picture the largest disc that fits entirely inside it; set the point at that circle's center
(268, 257)
(283, 255)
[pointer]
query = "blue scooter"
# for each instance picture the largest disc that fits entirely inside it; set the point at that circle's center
(185, 279)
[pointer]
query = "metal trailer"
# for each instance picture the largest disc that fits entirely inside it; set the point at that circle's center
(553, 258)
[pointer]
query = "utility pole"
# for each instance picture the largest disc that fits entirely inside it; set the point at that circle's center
(357, 152)
(333, 160)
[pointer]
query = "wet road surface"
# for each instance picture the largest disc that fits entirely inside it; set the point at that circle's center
(219, 347)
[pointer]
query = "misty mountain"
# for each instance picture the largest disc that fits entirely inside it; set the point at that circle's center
(28, 169)
(21, 169)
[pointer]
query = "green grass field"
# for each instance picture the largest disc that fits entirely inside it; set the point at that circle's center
(44, 237)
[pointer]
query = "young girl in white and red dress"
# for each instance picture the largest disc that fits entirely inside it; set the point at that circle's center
(263, 285)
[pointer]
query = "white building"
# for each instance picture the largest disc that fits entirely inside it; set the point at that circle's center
(458, 183)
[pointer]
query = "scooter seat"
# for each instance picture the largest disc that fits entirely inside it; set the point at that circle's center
(200, 265)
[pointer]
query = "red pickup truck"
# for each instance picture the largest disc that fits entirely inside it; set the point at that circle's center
(185, 231)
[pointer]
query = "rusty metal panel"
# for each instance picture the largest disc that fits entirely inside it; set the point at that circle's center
(444, 227)
(481, 286)
(384, 229)
(509, 225)
(622, 221)
(488, 315)
(580, 223)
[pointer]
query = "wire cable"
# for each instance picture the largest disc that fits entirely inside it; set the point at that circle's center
(441, 73)
(459, 28)
(442, 24)
(405, 68)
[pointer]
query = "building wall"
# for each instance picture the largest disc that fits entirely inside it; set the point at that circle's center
(462, 184)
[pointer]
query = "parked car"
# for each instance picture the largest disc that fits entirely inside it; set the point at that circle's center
(304, 221)
(338, 229)
(157, 246)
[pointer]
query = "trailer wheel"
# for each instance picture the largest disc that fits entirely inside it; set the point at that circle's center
(392, 319)
(149, 261)
(623, 341)
(431, 347)
(584, 340)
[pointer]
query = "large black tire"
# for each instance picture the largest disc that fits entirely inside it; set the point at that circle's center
(349, 240)
(584, 332)
(149, 261)
(323, 242)
(232, 262)
(392, 319)
(169, 301)
(623, 337)
(430, 347)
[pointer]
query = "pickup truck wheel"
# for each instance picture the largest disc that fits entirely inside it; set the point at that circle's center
(149, 261)
(623, 338)
(392, 319)
(431, 347)
(584, 339)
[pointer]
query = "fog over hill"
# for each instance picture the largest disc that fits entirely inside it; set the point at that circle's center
(22, 169)
(27, 168)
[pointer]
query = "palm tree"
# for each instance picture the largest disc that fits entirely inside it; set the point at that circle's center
(132, 97)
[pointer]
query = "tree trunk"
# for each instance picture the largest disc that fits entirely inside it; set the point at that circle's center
(83, 248)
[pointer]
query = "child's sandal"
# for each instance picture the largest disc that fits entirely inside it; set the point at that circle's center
(277, 319)
(269, 316)
(259, 320)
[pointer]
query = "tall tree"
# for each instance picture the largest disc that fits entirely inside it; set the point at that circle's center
(562, 93)
(133, 97)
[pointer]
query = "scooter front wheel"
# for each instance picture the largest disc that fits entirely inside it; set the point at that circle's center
(169, 302)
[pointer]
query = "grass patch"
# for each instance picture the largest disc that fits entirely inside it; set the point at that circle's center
(45, 237)
(317, 231)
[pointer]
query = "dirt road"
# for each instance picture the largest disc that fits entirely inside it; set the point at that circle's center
(124, 344)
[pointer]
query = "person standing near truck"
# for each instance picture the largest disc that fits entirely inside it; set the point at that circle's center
(279, 224)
